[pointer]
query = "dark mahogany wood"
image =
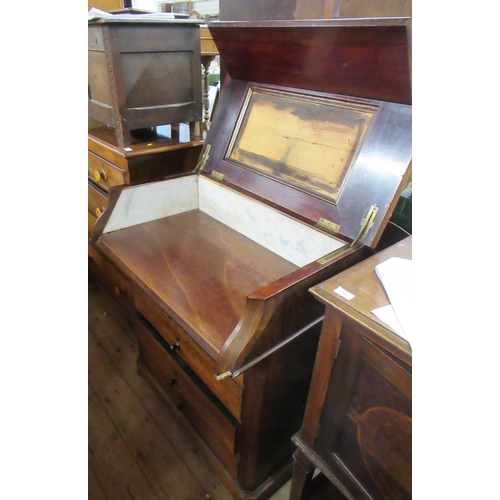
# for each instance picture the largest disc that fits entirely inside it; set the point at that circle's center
(387, 141)
(359, 57)
(278, 311)
(357, 427)
(180, 258)
(231, 322)
(110, 165)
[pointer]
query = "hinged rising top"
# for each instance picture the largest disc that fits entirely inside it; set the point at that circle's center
(313, 118)
(367, 58)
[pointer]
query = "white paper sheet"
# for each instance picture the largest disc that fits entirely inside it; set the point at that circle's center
(95, 13)
(388, 316)
(395, 275)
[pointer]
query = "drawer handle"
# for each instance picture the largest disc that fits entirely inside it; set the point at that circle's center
(174, 347)
(98, 211)
(180, 406)
(118, 290)
(100, 176)
(172, 381)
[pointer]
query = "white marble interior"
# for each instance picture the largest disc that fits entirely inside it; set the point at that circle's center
(147, 202)
(292, 240)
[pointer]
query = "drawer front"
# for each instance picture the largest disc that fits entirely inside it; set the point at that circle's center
(194, 400)
(97, 200)
(227, 390)
(104, 173)
(111, 278)
(207, 43)
(92, 221)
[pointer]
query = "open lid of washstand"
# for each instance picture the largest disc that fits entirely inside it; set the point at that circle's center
(315, 117)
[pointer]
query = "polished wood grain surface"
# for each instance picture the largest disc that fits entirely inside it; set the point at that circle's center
(136, 446)
(196, 404)
(364, 58)
(181, 258)
(228, 391)
(362, 282)
(205, 278)
(357, 428)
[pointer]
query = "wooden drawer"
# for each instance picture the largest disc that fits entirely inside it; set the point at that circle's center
(208, 46)
(112, 279)
(207, 43)
(92, 221)
(207, 415)
(228, 391)
(97, 200)
(104, 173)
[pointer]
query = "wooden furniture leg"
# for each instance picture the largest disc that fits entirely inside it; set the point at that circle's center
(303, 470)
(206, 61)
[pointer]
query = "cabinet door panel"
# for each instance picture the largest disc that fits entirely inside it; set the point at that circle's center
(366, 420)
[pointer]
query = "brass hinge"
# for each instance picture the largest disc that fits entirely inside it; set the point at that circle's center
(328, 225)
(366, 225)
(333, 255)
(217, 175)
(204, 158)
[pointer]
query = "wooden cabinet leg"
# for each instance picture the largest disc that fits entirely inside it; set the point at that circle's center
(303, 470)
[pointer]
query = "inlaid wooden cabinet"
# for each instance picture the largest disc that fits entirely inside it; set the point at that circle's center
(357, 429)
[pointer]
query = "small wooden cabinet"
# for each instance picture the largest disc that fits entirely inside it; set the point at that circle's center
(357, 429)
(143, 73)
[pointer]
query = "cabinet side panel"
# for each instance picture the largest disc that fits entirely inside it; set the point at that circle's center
(273, 407)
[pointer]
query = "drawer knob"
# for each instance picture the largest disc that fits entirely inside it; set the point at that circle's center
(98, 211)
(180, 406)
(118, 290)
(172, 381)
(174, 347)
(100, 176)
